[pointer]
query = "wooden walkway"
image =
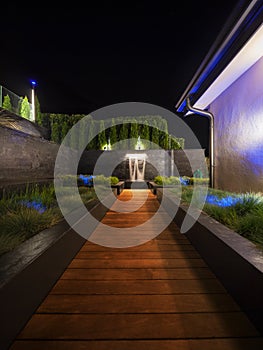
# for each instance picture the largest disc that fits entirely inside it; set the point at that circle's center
(156, 296)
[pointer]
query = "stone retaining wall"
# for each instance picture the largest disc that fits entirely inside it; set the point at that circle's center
(26, 157)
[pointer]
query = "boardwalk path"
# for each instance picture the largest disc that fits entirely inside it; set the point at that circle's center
(158, 295)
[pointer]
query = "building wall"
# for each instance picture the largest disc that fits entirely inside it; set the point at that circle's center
(238, 113)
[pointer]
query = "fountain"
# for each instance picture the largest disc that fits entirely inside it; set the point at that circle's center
(137, 164)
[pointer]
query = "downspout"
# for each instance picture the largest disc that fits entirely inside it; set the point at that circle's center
(211, 138)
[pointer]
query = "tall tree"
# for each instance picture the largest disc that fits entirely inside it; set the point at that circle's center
(91, 130)
(124, 135)
(25, 108)
(164, 136)
(155, 135)
(38, 111)
(133, 134)
(113, 134)
(55, 129)
(7, 103)
(83, 132)
(102, 140)
(145, 134)
(64, 129)
(74, 136)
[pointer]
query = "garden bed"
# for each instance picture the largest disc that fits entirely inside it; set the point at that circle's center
(29, 271)
(31, 208)
(235, 260)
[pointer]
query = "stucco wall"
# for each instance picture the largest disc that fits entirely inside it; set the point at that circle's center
(238, 126)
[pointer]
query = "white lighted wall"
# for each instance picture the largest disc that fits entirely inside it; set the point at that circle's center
(238, 115)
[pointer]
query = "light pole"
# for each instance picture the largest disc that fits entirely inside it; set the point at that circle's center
(33, 84)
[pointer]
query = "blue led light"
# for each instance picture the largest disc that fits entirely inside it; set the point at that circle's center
(184, 181)
(38, 206)
(227, 201)
(33, 82)
(87, 179)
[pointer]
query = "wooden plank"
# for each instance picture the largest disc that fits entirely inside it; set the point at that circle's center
(136, 263)
(173, 242)
(156, 295)
(170, 235)
(113, 287)
(149, 246)
(180, 344)
(138, 326)
(137, 274)
(136, 255)
(108, 304)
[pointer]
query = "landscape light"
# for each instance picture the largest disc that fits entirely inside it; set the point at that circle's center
(33, 83)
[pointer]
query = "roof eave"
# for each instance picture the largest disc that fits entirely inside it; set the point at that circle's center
(235, 33)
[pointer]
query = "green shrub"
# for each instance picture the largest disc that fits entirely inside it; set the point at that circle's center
(172, 180)
(9, 241)
(251, 226)
(244, 216)
(27, 212)
(88, 195)
(68, 180)
(248, 203)
(198, 181)
(101, 180)
(158, 180)
(114, 180)
(187, 194)
(167, 180)
(226, 215)
(106, 180)
(18, 225)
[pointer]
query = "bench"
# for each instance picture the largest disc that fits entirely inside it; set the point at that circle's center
(119, 187)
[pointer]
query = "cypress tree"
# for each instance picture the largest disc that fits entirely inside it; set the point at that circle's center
(55, 129)
(7, 103)
(25, 108)
(174, 143)
(124, 135)
(133, 134)
(113, 134)
(145, 134)
(46, 123)
(177, 142)
(91, 129)
(38, 111)
(155, 135)
(101, 140)
(74, 138)
(164, 136)
(64, 129)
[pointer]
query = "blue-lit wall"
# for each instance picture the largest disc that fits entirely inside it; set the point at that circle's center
(238, 115)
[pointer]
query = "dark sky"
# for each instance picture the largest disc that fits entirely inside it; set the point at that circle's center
(98, 53)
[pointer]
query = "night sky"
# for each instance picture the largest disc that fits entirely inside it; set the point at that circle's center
(87, 57)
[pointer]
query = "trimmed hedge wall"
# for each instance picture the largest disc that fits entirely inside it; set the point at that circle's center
(157, 135)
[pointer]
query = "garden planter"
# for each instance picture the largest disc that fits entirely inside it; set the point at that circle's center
(237, 262)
